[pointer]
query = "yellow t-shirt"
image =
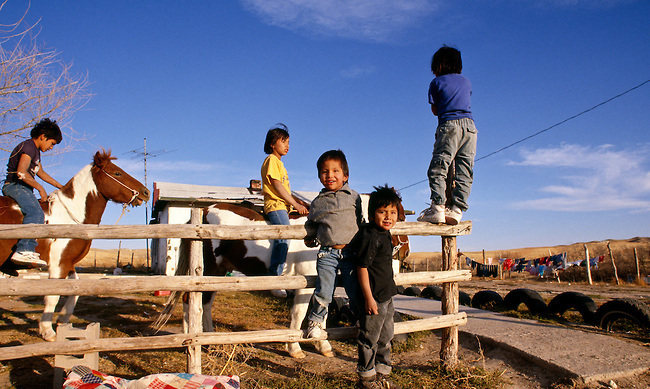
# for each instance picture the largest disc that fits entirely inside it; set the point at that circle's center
(274, 168)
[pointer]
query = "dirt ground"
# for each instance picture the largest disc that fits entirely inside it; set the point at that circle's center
(130, 315)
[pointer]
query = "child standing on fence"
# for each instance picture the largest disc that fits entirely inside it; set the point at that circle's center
(278, 199)
(450, 96)
(23, 167)
(336, 213)
(373, 251)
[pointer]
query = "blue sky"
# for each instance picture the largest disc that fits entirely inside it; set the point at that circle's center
(205, 80)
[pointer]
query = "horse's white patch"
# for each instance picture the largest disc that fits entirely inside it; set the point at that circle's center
(66, 210)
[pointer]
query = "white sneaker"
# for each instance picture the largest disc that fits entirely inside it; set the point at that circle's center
(314, 329)
(434, 214)
(279, 293)
(28, 258)
(453, 215)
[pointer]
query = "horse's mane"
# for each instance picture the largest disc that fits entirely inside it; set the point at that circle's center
(103, 156)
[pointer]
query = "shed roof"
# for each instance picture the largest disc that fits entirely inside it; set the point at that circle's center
(165, 193)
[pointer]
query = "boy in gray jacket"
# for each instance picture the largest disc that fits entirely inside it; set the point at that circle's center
(336, 213)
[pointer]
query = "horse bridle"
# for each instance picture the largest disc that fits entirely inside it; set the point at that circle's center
(135, 192)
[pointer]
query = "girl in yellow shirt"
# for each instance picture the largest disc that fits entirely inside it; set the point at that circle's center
(278, 199)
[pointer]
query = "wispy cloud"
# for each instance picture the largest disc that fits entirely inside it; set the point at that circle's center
(375, 20)
(592, 178)
(357, 71)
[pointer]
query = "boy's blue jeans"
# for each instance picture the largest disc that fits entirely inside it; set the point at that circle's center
(375, 334)
(30, 207)
(455, 141)
(280, 247)
(329, 261)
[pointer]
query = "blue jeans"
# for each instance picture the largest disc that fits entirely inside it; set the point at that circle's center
(455, 141)
(329, 261)
(375, 334)
(280, 247)
(29, 206)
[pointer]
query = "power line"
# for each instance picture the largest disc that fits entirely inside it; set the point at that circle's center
(548, 128)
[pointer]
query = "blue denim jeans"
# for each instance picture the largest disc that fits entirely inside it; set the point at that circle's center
(455, 141)
(30, 207)
(329, 262)
(280, 247)
(375, 334)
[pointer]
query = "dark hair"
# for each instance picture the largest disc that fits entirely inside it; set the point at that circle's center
(280, 131)
(49, 128)
(381, 197)
(446, 61)
(336, 155)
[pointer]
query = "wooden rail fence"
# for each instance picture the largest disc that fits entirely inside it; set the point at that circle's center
(196, 283)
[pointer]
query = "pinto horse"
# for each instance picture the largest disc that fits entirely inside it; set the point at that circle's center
(253, 257)
(81, 201)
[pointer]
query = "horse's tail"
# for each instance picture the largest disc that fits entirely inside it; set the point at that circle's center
(182, 269)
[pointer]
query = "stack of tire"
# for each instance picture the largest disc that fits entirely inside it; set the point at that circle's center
(606, 316)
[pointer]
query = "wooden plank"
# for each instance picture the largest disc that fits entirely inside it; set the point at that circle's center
(140, 284)
(82, 346)
(202, 231)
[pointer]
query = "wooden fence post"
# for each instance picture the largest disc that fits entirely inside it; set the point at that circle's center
(611, 256)
(449, 346)
(195, 316)
(588, 265)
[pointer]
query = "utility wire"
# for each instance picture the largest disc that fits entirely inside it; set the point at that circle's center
(548, 128)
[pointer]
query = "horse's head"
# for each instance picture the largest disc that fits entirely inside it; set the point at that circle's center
(114, 183)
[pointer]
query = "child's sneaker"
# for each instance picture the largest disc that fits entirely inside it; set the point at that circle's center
(453, 215)
(279, 293)
(369, 383)
(314, 329)
(434, 214)
(385, 382)
(28, 258)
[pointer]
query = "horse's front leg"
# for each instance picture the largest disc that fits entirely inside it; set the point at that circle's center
(45, 325)
(70, 303)
(208, 299)
(298, 313)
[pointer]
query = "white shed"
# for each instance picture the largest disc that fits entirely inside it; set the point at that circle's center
(172, 204)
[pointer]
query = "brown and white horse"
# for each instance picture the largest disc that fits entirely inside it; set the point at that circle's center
(81, 201)
(253, 257)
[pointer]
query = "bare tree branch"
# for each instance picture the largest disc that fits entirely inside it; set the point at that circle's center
(35, 82)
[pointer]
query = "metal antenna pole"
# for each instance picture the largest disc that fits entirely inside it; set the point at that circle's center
(144, 154)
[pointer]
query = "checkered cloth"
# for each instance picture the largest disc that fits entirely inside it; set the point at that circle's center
(82, 377)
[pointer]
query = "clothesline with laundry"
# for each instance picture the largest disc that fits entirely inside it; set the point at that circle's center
(539, 266)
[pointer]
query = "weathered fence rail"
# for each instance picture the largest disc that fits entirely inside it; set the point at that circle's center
(202, 231)
(195, 283)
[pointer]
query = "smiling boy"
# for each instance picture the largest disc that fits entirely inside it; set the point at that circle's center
(336, 213)
(373, 251)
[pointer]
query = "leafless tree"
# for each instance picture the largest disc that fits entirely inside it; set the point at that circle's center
(35, 82)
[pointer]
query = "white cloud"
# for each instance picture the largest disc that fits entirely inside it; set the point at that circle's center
(357, 71)
(594, 178)
(375, 20)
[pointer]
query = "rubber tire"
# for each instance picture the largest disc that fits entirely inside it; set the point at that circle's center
(400, 289)
(487, 299)
(335, 310)
(574, 300)
(412, 291)
(432, 292)
(464, 299)
(531, 299)
(623, 308)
